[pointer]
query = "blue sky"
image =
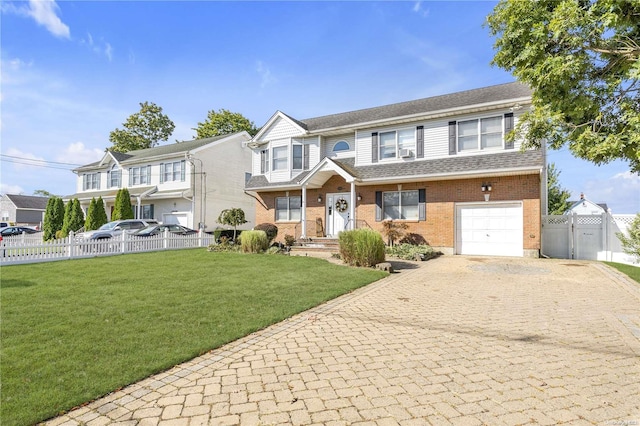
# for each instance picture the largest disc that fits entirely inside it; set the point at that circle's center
(72, 71)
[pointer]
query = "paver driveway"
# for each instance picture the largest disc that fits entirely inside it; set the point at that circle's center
(456, 340)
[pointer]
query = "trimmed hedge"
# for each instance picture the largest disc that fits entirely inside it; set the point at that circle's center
(361, 247)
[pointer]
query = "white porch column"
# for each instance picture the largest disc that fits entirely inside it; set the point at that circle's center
(352, 209)
(303, 213)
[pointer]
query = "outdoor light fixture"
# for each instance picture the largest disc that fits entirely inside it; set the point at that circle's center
(486, 188)
(319, 198)
(359, 197)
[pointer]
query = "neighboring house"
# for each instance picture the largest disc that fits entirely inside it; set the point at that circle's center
(26, 210)
(441, 165)
(187, 183)
(586, 207)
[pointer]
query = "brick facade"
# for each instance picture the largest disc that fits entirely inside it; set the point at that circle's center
(441, 198)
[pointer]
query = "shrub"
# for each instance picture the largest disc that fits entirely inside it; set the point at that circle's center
(254, 241)
(411, 251)
(289, 240)
(413, 239)
(361, 247)
(232, 217)
(631, 244)
(224, 245)
(269, 228)
(393, 230)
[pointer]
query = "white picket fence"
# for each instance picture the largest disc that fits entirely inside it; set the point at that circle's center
(31, 249)
(591, 237)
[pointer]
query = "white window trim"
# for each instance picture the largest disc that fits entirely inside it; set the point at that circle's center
(399, 192)
(397, 149)
(285, 149)
(478, 147)
(288, 219)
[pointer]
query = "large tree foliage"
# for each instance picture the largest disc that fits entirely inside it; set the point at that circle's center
(122, 207)
(557, 196)
(144, 129)
(43, 193)
(53, 218)
(582, 60)
(224, 122)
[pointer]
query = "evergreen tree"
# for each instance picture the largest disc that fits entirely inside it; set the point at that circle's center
(100, 213)
(122, 208)
(66, 219)
(557, 195)
(53, 218)
(89, 222)
(77, 216)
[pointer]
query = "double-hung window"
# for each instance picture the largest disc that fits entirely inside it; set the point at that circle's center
(280, 158)
(91, 181)
(300, 157)
(172, 172)
(484, 133)
(392, 143)
(264, 161)
(140, 175)
(288, 208)
(114, 177)
(400, 205)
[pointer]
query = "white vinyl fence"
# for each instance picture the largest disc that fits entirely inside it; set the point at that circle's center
(31, 249)
(584, 237)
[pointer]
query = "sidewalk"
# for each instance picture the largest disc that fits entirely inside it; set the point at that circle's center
(457, 340)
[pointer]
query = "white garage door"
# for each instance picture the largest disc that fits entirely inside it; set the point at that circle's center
(175, 219)
(493, 229)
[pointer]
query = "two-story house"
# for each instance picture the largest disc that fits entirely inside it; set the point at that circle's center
(442, 165)
(188, 183)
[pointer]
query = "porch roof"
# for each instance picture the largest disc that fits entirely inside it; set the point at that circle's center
(453, 167)
(108, 194)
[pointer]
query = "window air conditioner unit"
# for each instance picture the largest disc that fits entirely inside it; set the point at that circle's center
(406, 153)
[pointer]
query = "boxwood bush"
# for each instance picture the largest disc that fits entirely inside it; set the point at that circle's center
(254, 241)
(361, 247)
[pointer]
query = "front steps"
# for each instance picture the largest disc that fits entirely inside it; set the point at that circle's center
(315, 245)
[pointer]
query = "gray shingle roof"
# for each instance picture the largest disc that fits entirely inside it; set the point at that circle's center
(172, 148)
(426, 168)
(28, 201)
(501, 92)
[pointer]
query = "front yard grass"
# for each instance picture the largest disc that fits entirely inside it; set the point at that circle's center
(75, 330)
(632, 272)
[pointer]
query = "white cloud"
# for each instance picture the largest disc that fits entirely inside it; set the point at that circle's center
(621, 192)
(44, 12)
(10, 189)
(77, 153)
(417, 8)
(100, 47)
(265, 73)
(24, 160)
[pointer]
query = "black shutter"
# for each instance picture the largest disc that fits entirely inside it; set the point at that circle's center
(378, 206)
(508, 128)
(374, 147)
(452, 138)
(420, 142)
(305, 155)
(422, 204)
(151, 212)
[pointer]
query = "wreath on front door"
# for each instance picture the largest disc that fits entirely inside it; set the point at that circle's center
(341, 205)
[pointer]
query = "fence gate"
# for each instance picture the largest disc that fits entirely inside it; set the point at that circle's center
(585, 237)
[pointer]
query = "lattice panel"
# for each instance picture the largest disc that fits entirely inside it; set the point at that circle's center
(589, 220)
(556, 220)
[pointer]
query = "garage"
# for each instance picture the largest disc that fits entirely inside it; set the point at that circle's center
(491, 229)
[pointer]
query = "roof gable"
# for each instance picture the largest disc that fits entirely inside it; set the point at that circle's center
(29, 202)
(280, 124)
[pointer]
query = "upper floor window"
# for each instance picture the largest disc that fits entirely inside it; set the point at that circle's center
(341, 146)
(114, 177)
(91, 181)
(300, 158)
(280, 158)
(140, 175)
(480, 134)
(172, 172)
(398, 143)
(264, 161)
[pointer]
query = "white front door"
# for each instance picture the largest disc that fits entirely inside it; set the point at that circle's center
(337, 213)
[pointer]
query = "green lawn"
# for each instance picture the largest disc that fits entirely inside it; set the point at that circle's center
(75, 330)
(632, 272)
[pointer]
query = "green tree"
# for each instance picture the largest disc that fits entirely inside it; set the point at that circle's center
(73, 217)
(100, 213)
(122, 206)
(224, 122)
(96, 215)
(43, 193)
(53, 218)
(144, 129)
(67, 219)
(232, 217)
(557, 196)
(89, 222)
(582, 60)
(631, 244)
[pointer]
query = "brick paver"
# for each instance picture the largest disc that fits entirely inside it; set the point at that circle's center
(455, 340)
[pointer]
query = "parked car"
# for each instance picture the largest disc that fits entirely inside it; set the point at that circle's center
(17, 230)
(160, 229)
(116, 228)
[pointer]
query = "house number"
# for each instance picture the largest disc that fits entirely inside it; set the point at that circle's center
(341, 205)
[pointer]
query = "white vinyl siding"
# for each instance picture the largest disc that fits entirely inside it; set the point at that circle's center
(330, 142)
(280, 129)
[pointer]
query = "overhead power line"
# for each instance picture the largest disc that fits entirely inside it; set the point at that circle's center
(37, 163)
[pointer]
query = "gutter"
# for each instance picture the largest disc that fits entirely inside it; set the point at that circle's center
(257, 199)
